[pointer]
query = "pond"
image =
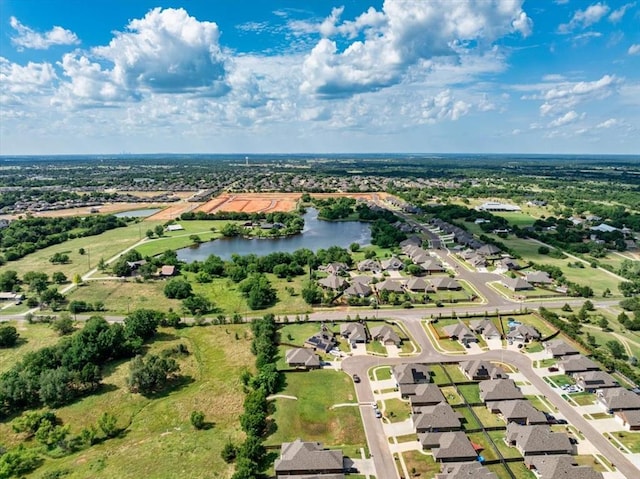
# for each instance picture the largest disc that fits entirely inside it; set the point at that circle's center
(143, 213)
(317, 234)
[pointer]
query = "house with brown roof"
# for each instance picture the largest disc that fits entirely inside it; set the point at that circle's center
(452, 446)
(493, 390)
(618, 399)
(358, 289)
(537, 440)
(371, 265)
(538, 277)
(590, 381)
(334, 268)
(426, 395)
(391, 264)
(486, 328)
(431, 266)
(300, 459)
(390, 285)
(460, 332)
(519, 411)
(416, 284)
(558, 348)
(516, 284)
(302, 358)
(167, 270)
(409, 375)
(576, 364)
(478, 370)
(437, 418)
(333, 282)
(386, 335)
(465, 470)
(354, 332)
(440, 283)
(630, 419)
(560, 466)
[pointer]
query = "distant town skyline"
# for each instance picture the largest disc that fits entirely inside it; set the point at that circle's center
(284, 76)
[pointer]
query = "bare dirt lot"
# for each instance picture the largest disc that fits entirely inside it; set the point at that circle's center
(251, 202)
(172, 212)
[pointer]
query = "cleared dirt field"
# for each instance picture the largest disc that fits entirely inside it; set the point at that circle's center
(251, 202)
(103, 209)
(173, 211)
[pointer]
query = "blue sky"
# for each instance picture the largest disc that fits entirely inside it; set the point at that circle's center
(545, 76)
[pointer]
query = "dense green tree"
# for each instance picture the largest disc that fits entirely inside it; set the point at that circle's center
(8, 336)
(149, 375)
(197, 304)
(59, 277)
(311, 293)
(259, 292)
(8, 280)
(177, 288)
(616, 348)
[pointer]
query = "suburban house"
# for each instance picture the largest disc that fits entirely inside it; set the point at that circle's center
(431, 266)
(416, 284)
(452, 446)
(333, 282)
(390, 285)
(308, 459)
(392, 264)
(630, 419)
(560, 466)
(444, 283)
(516, 284)
(460, 332)
(354, 332)
(591, 380)
(523, 333)
(618, 399)
(508, 264)
(167, 270)
(558, 348)
(437, 418)
(410, 241)
(334, 268)
(425, 395)
(537, 440)
(323, 341)
(8, 296)
(489, 250)
(519, 411)
(479, 370)
(465, 470)
(409, 375)
(577, 363)
(538, 277)
(386, 335)
(358, 289)
(486, 328)
(493, 390)
(371, 265)
(302, 358)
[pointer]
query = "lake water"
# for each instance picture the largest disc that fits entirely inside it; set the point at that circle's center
(316, 235)
(143, 213)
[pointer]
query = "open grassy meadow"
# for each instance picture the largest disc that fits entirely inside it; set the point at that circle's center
(32, 337)
(158, 440)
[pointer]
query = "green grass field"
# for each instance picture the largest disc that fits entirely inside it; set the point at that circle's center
(455, 373)
(396, 410)
(470, 422)
(312, 417)
(451, 395)
(158, 440)
(32, 337)
(630, 439)
(487, 418)
(471, 392)
(423, 464)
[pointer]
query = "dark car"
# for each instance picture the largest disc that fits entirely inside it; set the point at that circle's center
(562, 421)
(356, 378)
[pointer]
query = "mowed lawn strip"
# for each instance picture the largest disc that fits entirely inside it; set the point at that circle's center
(311, 416)
(159, 440)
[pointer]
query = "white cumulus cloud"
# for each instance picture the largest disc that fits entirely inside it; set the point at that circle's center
(565, 95)
(403, 34)
(617, 14)
(568, 117)
(32, 77)
(28, 38)
(608, 123)
(634, 49)
(585, 18)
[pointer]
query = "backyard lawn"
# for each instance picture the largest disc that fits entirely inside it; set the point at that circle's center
(396, 410)
(312, 415)
(506, 451)
(423, 464)
(438, 376)
(457, 376)
(471, 422)
(487, 418)
(488, 452)
(451, 395)
(471, 393)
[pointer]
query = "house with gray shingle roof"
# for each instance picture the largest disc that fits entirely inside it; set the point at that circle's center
(426, 395)
(630, 419)
(590, 381)
(577, 364)
(558, 348)
(516, 284)
(519, 411)
(358, 289)
(460, 332)
(409, 375)
(431, 266)
(354, 332)
(560, 466)
(478, 370)
(485, 327)
(323, 341)
(391, 264)
(308, 459)
(444, 283)
(523, 333)
(537, 440)
(416, 284)
(334, 268)
(538, 277)
(302, 358)
(333, 282)
(465, 470)
(437, 418)
(493, 390)
(385, 334)
(452, 446)
(390, 285)
(489, 250)
(618, 399)
(369, 265)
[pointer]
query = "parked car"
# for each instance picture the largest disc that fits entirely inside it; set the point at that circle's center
(356, 378)
(378, 413)
(552, 369)
(562, 421)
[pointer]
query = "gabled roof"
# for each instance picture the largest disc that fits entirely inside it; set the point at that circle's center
(307, 458)
(302, 356)
(631, 416)
(354, 331)
(411, 373)
(321, 340)
(361, 279)
(499, 390)
(459, 330)
(454, 445)
(596, 380)
(488, 250)
(577, 363)
(426, 394)
(558, 347)
(541, 277)
(444, 282)
(390, 285)
(484, 326)
(369, 265)
(619, 398)
(411, 241)
(392, 263)
(482, 369)
(538, 439)
(465, 470)
(416, 284)
(385, 333)
(358, 289)
(561, 467)
(523, 331)
(520, 409)
(516, 284)
(333, 282)
(439, 416)
(431, 265)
